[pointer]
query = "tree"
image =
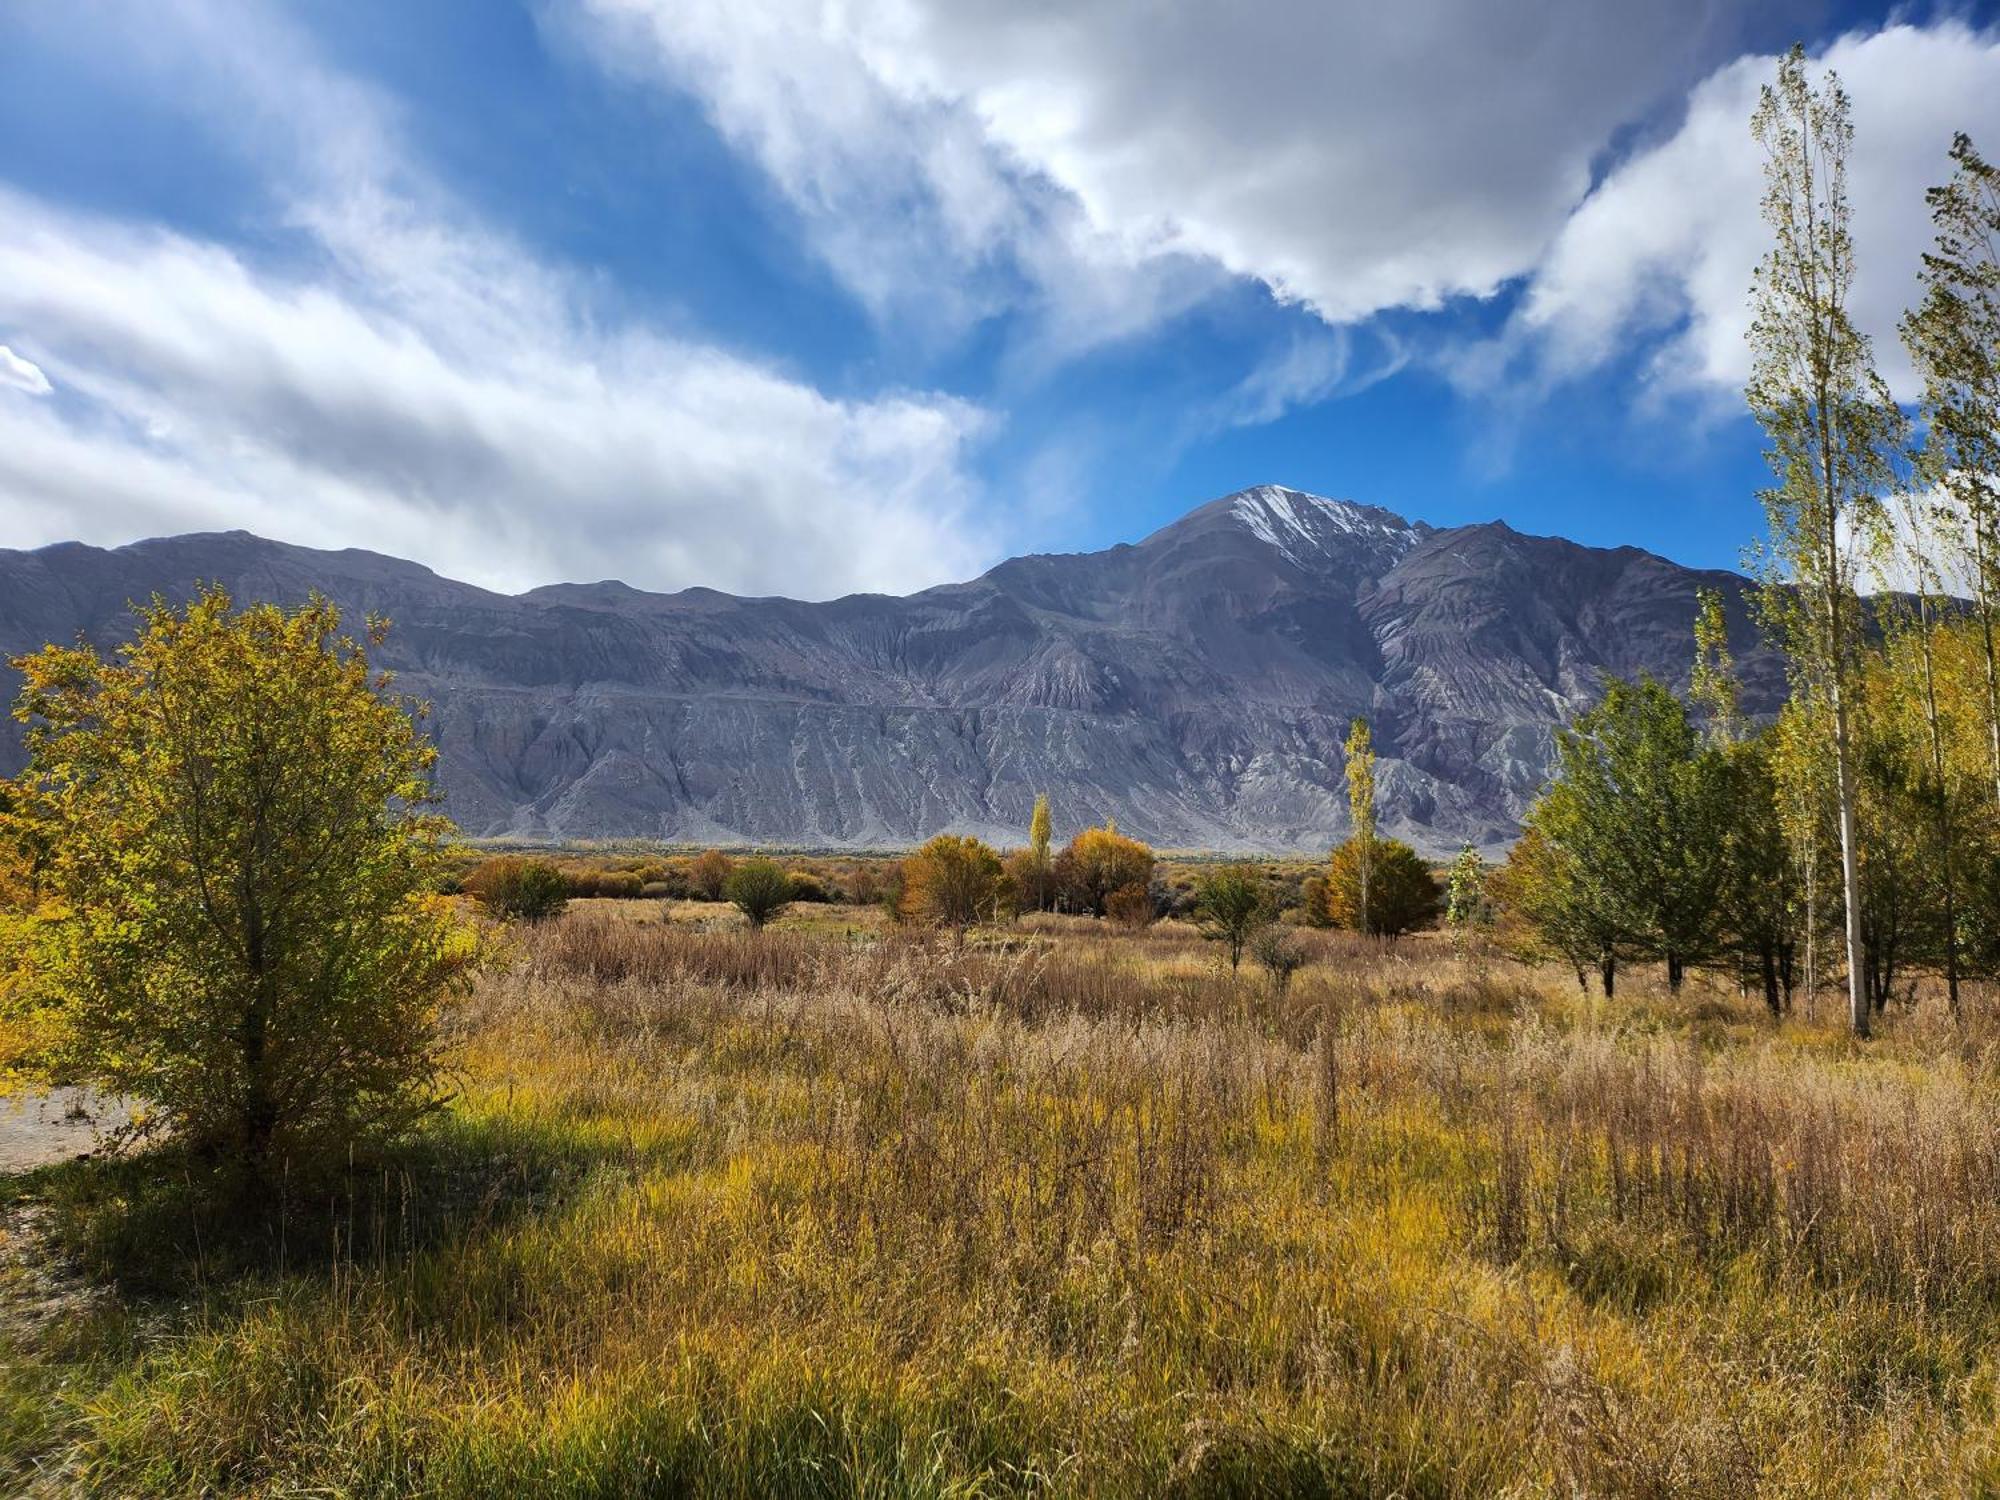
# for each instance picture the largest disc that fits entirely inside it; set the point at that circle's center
(1830, 422)
(1277, 950)
(1039, 885)
(1402, 894)
(238, 921)
(1467, 909)
(1761, 906)
(760, 889)
(1641, 810)
(529, 890)
(1231, 904)
(1361, 809)
(953, 881)
(1545, 909)
(709, 874)
(1098, 862)
(1954, 341)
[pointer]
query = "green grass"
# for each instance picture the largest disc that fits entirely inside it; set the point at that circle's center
(1084, 1217)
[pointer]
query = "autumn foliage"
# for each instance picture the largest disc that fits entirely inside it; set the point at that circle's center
(235, 867)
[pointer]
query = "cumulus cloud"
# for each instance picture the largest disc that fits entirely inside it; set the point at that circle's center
(21, 374)
(411, 381)
(1665, 247)
(1353, 158)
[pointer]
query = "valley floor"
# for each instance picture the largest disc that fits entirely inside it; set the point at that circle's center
(836, 1210)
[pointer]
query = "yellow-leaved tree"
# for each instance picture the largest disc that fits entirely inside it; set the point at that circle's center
(234, 921)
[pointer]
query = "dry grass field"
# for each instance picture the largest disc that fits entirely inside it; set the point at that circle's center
(840, 1209)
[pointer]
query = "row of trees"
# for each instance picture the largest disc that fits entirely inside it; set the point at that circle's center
(1861, 828)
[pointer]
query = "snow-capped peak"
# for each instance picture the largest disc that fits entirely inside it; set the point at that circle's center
(1303, 527)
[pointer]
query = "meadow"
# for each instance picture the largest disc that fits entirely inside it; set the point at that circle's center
(844, 1208)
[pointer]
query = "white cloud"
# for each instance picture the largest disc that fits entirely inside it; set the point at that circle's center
(1353, 158)
(417, 384)
(1666, 244)
(21, 374)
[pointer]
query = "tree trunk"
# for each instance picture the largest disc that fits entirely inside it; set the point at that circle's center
(1945, 854)
(1850, 851)
(1607, 975)
(1675, 973)
(1773, 997)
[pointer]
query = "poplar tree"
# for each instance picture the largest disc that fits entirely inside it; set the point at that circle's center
(1829, 420)
(1954, 340)
(1360, 751)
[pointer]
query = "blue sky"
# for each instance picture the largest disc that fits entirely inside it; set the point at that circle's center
(788, 296)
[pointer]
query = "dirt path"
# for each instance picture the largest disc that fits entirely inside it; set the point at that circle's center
(37, 1129)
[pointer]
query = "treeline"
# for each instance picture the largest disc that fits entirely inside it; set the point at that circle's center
(1857, 834)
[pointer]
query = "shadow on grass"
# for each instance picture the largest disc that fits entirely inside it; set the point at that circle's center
(162, 1223)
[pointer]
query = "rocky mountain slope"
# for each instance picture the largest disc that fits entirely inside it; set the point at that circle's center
(1196, 685)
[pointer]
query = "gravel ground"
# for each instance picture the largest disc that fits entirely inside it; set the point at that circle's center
(36, 1129)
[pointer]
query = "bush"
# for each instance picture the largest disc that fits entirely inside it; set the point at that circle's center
(1402, 894)
(1099, 862)
(260, 964)
(1279, 952)
(809, 888)
(709, 875)
(760, 889)
(522, 889)
(617, 885)
(1130, 905)
(953, 881)
(1232, 903)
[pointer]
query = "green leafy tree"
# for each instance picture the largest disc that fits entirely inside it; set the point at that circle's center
(1231, 904)
(1954, 340)
(1402, 895)
(1762, 909)
(238, 868)
(1547, 908)
(760, 889)
(1830, 423)
(1641, 809)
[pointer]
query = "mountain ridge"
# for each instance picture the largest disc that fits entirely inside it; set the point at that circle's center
(1195, 684)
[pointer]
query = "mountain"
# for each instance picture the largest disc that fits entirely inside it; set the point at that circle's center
(1196, 686)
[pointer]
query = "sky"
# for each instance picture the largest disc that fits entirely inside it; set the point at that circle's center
(812, 297)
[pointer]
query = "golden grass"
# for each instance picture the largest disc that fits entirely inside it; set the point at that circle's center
(1078, 1213)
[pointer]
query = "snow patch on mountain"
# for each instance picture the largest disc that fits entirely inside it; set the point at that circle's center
(1305, 527)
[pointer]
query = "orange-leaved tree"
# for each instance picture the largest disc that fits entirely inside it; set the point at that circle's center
(953, 881)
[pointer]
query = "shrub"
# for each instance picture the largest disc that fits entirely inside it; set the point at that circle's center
(1098, 862)
(616, 885)
(1280, 954)
(709, 875)
(953, 881)
(1401, 891)
(760, 889)
(1130, 905)
(239, 924)
(518, 888)
(1232, 903)
(809, 888)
